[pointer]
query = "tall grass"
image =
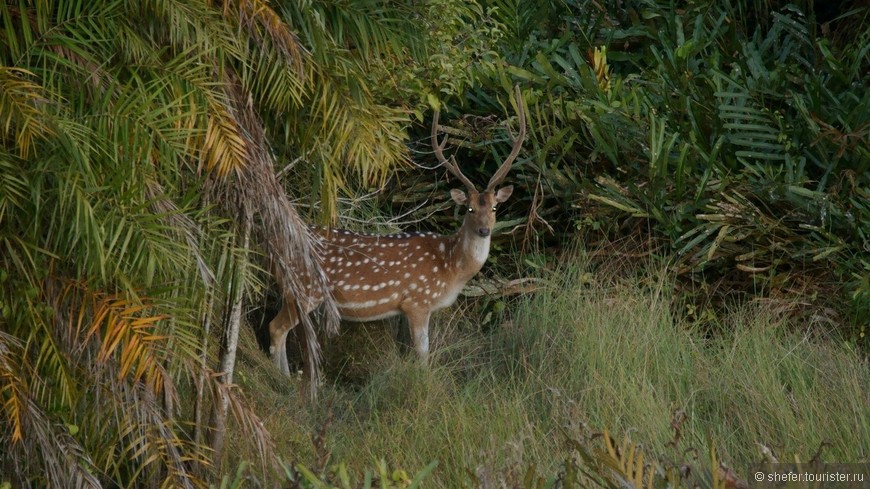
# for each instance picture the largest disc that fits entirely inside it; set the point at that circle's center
(584, 354)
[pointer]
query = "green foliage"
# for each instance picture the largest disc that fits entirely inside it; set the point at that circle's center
(336, 477)
(742, 148)
(628, 464)
(126, 129)
(460, 33)
(377, 65)
(735, 134)
(339, 478)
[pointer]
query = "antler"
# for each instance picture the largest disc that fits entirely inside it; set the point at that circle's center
(517, 142)
(439, 153)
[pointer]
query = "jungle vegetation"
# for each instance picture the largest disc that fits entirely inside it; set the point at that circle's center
(685, 263)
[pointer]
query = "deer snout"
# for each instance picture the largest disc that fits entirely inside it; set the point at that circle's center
(483, 232)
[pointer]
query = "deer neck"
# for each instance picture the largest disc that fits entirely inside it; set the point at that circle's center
(470, 251)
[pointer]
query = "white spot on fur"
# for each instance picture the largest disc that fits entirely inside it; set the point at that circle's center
(358, 305)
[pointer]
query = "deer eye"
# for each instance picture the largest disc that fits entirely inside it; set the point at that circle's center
(471, 209)
(493, 208)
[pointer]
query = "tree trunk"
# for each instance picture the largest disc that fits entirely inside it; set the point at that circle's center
(199, 406)
(229, 346)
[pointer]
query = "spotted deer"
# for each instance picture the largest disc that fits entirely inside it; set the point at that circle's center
(377, 276)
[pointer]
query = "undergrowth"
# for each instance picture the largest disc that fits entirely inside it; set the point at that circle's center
(585, 353)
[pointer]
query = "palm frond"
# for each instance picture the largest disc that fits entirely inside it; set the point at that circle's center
(110, 114)
(63, 460)
(288, 247)
(128, 338)
(264, 24)
(750, 128)
(162, 455)
(356, 29)
(224, 147)
(14, 186)
(13, 390)
(349, 136)
(182, 225)
(20, 100)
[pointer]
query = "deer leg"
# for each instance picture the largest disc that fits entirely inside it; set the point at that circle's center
(418, 323)
(279, 327)
(305, 384)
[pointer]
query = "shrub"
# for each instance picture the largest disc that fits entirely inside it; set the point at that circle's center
(731, 136)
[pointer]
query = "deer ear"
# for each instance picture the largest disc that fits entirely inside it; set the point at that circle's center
(459, 196)
(503, 193)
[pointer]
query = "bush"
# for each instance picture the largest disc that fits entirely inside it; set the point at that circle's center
(731, 136)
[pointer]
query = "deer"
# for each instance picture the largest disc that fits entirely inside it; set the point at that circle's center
(374, 277)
